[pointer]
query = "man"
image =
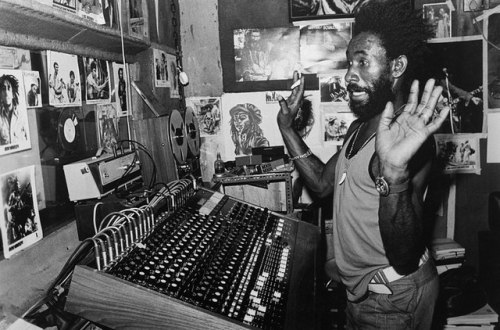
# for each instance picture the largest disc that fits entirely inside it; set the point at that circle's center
(12, 124)
(73, 88)
(94, 88)
(245, 130)
(33, 96)
(379, 176)
(255, 59)
(122, 90)
(56, 85)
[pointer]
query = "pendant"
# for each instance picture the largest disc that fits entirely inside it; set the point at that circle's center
(342, 178)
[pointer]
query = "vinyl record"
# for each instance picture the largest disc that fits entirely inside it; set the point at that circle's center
(68, 131)
(177, 134)
(192, 132)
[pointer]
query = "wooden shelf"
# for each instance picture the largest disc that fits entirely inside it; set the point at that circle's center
(31, 25)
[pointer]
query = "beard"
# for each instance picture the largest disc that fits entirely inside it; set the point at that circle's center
(378, 96)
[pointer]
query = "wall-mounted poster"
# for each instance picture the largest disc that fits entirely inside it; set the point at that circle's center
(15, 58)
(266, 54)
(138, 19)
(438, 15)
(321, 9)
(458, 153)
(160, 68)
(173, 76)
(97, 88)
(64, 79)
(107, 121)
(120, 93)
(494, 61)
(14, 128)
(92, 10)
(32, 89)
(323, 47)
(333, 88)
(19, 219)
(208, 113)
(335, 123)
(67, 5)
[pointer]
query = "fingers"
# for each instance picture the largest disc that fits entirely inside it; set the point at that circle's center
(411, 105)
(386, 118)
(438, 120)
(283, 104)
(426, 95)
(428, 110)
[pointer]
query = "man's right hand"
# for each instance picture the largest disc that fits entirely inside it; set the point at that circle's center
(290, 107)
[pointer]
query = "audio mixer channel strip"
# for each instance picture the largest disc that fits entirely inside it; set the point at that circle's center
(215, 262)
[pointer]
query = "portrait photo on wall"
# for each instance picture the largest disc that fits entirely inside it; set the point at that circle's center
(208, 113)
(14, 127)
(15, 58)
(458, 69)
(335, 123)
(458, 153)
(19, 219)
(120, 93)
(323, 47)
(32, 88)
(160, 68)
(322, 9)
(64, 79)
(107, 121)
(332, 87)
(67, 5)
(173, 76)
(265, 54)
(97, 87)
(494, 61)
(92, 10)
(138, 19)
(438, 15)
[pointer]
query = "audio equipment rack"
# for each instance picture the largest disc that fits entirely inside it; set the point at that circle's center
(197, 259)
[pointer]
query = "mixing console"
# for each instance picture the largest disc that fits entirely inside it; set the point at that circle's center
(233, 263)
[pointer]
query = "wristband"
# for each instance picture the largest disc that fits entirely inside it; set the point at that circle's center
(304, 155)
(385, 189)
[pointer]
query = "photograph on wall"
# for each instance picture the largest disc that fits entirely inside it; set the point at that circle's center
(67, 5)
(64, 79)
(19, 220)
(173, 76)
(97, 87)
(107, 121)
(14, 127)
(335, 124)
(92, 10)
(15, 58)
(438, 15)
(138, 19)
(32, 89)
(461, 77)
(160, 68)
(208, 113)
(323, 9)
(120, 93)
(332, 87)
(458, 153)
(323, 47)
(110, 12)
(494, 61)
(266, 54)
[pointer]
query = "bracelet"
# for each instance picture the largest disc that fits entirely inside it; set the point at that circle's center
(304, 155)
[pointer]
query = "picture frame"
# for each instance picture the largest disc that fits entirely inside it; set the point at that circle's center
(304, 10)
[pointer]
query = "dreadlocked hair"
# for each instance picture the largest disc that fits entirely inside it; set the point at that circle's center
(402, 31)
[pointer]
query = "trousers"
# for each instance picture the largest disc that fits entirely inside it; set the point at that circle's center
(410, 306)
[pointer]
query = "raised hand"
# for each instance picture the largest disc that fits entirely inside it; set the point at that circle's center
(400, 137)
(290, 106)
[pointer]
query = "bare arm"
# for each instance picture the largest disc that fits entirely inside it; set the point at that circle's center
(316, 175)
(398, 143)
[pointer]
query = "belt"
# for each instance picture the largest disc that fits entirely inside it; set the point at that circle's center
(378, 283)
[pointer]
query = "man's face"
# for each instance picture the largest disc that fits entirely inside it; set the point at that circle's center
(94, 73)
(56, 68)
(368, 77)
(241, 120)
(7, 93)
(254, 37)
(120, 74)
(33, 89)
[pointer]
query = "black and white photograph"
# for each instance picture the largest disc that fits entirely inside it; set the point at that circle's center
(14, 126)
(107, 121)
(173, 75)
(92, 10)
(333, 87)
(67, 5)
(33, 90)
(323, 47)
(121, 88)
(438, 15)
(494, 62)
(160, 68)
(321, 9)
(138, 24)
(64, 79)
(208, 113)
(19, 219)
(15, 58)
(458, 153)
(266, 54)
(97, 86)
(335, 124)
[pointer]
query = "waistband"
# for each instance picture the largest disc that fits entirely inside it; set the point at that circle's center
(387, 275)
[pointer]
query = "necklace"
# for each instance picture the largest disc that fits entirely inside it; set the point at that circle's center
(350, 153)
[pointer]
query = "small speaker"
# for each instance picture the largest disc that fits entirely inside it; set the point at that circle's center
(494, 211)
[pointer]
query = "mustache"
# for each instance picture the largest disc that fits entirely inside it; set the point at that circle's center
(353, 88)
